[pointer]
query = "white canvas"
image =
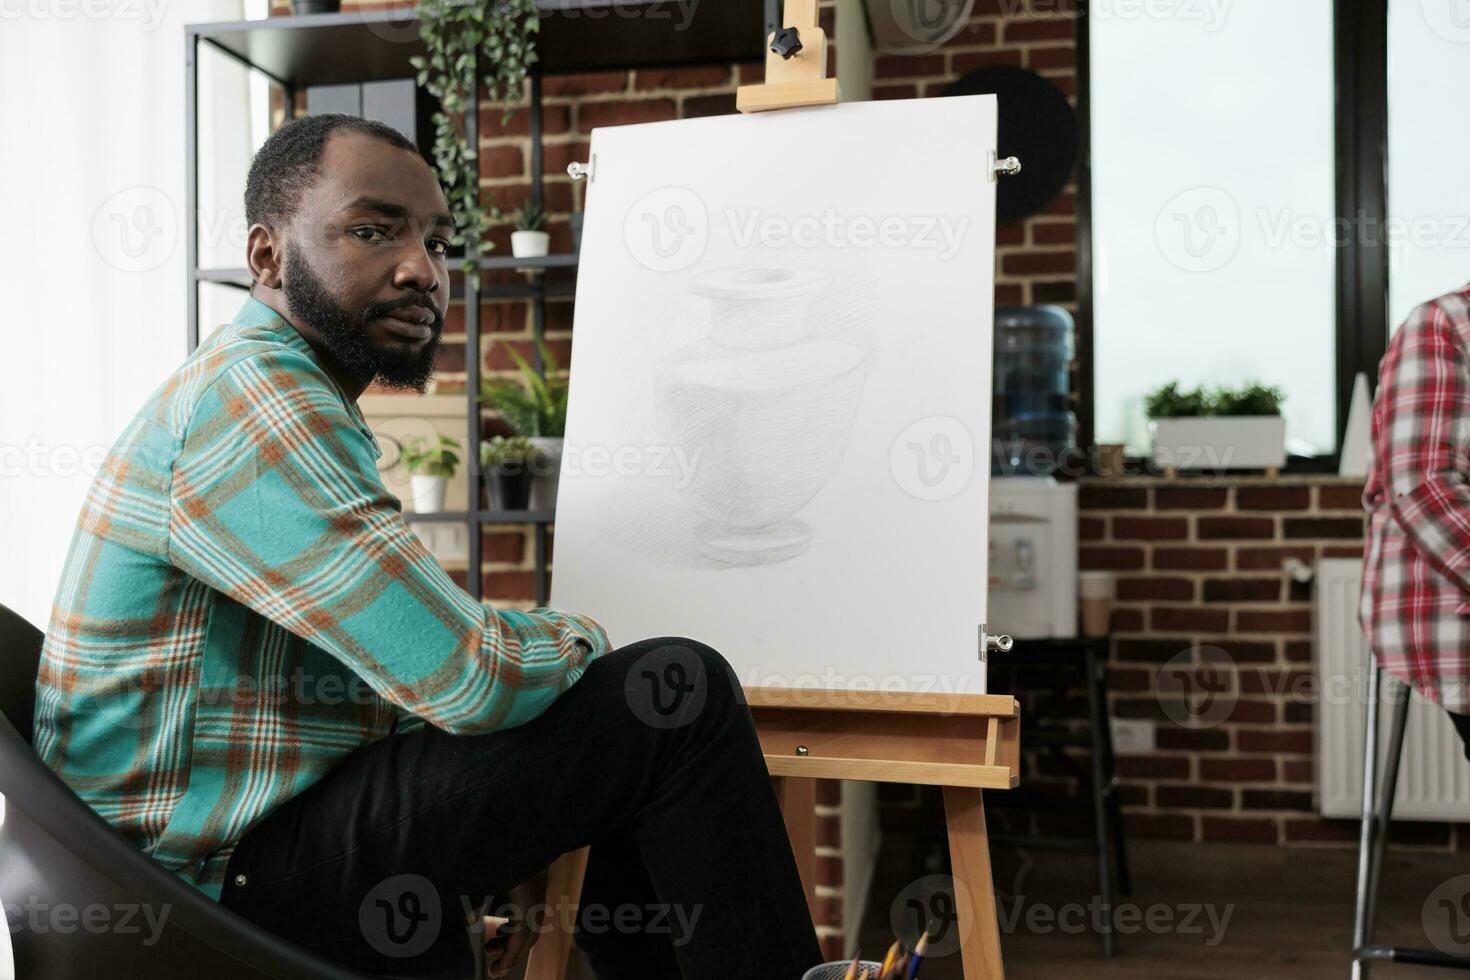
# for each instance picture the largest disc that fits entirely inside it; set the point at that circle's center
(779, 428)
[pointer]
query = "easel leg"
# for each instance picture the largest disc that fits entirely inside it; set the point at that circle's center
(548, 958)
(969, 854)
(798, 799)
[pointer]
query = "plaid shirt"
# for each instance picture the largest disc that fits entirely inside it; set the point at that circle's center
(1415, 602)
(242, 606)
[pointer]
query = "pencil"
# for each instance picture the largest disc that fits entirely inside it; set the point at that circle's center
(888, 961)
(852, 971)
(919, 948)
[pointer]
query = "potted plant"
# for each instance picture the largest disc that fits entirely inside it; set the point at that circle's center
(535, 406)
(480, 43)
(530, 239)
(430, 465)
(1221, 429)
(506, 464)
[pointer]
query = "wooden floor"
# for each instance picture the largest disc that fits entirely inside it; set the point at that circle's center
(1278, 914)
(1226, 911)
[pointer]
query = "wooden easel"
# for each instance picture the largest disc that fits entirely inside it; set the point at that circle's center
(966, 743)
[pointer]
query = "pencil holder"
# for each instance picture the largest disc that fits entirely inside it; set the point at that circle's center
(838, 969)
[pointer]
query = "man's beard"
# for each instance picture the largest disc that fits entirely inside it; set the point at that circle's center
(346, 335)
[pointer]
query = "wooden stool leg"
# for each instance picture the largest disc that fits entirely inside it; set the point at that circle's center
(798, 799)
(969, 854)
(548, 958)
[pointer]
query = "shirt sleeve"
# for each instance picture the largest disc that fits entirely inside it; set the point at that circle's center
(276, 502)
(1420, 440)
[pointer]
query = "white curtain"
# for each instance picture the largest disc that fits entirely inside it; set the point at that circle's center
(92, 252)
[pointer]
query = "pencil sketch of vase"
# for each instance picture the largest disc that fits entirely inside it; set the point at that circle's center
(764, 407)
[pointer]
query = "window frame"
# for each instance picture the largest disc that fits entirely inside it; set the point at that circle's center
(1360, 73)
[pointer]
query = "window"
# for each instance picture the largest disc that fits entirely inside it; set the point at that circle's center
(1213, 208)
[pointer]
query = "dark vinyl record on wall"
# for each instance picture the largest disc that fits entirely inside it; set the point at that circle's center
(1037, 125)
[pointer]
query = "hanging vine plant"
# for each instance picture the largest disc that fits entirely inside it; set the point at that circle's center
(459, 36)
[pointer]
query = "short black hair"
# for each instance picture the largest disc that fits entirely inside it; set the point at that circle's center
(287, 163)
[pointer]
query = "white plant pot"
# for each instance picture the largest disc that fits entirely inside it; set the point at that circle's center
(428, 492)
(547, 474)
(529, 244)
(1221, 442)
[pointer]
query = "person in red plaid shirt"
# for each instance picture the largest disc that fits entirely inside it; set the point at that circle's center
(1415, 602)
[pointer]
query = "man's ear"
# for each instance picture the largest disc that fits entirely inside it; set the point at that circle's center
(265, 255)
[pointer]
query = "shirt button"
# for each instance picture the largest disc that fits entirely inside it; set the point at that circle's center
(240, 880)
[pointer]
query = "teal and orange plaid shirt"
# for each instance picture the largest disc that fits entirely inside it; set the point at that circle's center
(242, 606)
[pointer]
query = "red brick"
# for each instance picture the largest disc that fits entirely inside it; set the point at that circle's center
(1192, 739)
(1189, 619)
(450, 357)
(1299, 651)
(1062, 293)
(507, 586)
(1348, 497)
(1125, 621)
(962, 62)
(1217, 770)
(588, 84)
(1199, 559)
(700, 106)
(1269, 559)
(1053, 232)
(1279, 742)
(554, 119)
(1342, 551)
(1155, 587)
(1052, 28)
(1039, 58)
(708, 76)
(1273, 620)
(1153, 766)
(496, 358)
(1033, 263)
(556, 156)
(1297, 771)
(1193, 797)
(1091, 528)
(502, 161)
(1215, 528)
(1242, 590)
(829, 832)
(1125, 679)
(1098, 558)
(503, 546)
(1252, 712)
(1322, 527)
(1148, 650)
(905, 91)
(1189, 498)
(1013, 294)
(1150, 528)
(1273, 498)
(1310, 830)
(829, 792)
(907, 66)
(1244, 651)
(1095, 497)
(623, 112)
(975, 33)
(1260, 830)
(1275, 799)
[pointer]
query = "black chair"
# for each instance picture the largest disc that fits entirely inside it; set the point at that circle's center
(73, 878)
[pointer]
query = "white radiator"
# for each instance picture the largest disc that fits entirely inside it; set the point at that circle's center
(1434, 778)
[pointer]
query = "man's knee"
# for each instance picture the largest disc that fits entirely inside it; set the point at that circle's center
(673, 680)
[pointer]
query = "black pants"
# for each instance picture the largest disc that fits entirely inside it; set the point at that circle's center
(651, 758)
(1462, 726)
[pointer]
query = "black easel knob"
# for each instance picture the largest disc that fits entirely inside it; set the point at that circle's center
(786, 42)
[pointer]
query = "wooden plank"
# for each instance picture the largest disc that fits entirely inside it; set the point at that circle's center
(548, 959)
(969, 855)
(885, 771)
(902, 702)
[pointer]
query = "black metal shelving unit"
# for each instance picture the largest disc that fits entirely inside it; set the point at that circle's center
(295, 53)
